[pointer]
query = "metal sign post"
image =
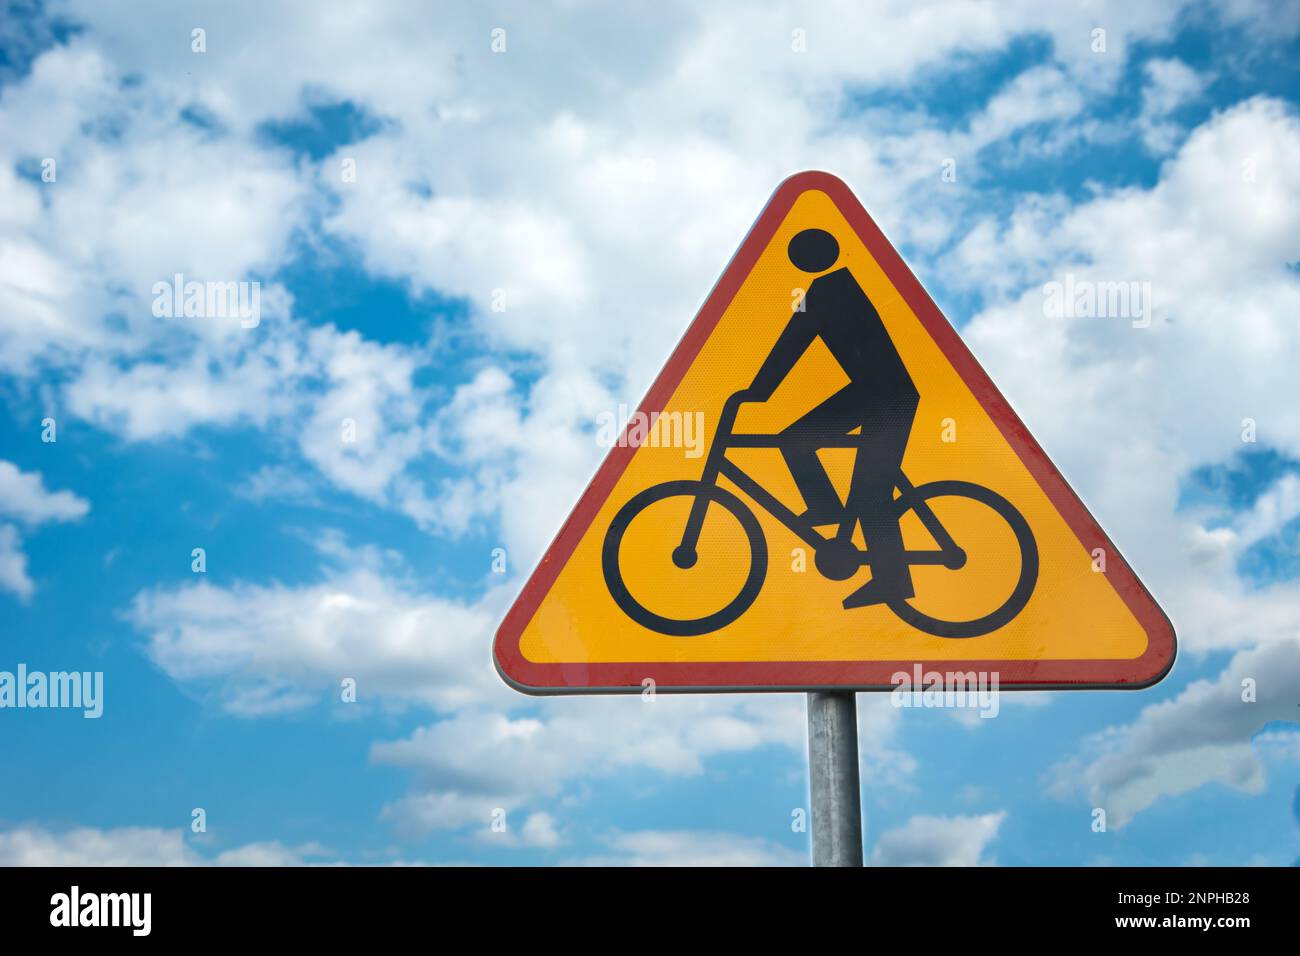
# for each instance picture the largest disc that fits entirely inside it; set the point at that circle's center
(833, 778)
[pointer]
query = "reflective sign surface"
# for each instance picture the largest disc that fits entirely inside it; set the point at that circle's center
(822, 489)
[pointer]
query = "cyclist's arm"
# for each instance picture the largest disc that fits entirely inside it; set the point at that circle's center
(794, 341)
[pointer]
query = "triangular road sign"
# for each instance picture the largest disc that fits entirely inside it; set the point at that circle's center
(729, 542)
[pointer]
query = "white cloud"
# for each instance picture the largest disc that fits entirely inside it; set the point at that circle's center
(368, 385)
(153, 400)
(87, 846)
(24, 498)
(13, 563)
(540, 830)
(140, 846)
(274, 853)
(1203, 735)
(465, 767)
(1275, 507)
(347, 404)
(262, 649)
(1037, 95)
(1171, 84)
(692, 848)
(938, 841)
(139, 196)
(474, 763)
(277, 483)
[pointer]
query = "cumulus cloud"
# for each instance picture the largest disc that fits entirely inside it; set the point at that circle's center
(152, 195)
(277, 483)
(540, 830)
(139, 197)
(87, 846)
(140, 846)
(938, 841)
(473, 763)
(467, 767)
(1204, 735)
(24, 499)
(13, 564)
(691, 848)
(23, 496)
(263, 649)
(1171, 84)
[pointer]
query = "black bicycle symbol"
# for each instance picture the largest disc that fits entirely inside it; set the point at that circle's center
(836, 559)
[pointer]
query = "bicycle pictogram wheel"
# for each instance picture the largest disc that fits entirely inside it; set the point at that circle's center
(920, 500)
(733, 608)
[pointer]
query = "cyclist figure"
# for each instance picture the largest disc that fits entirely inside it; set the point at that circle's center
(880, 398)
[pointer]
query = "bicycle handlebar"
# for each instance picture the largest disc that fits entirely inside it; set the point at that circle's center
(730, 409)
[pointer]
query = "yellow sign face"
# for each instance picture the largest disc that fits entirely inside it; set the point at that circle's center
(824, 489)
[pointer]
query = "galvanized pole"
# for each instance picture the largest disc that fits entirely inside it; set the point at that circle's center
(833, 775)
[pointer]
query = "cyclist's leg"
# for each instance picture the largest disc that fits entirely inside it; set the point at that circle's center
(829, 421)
(871, 497)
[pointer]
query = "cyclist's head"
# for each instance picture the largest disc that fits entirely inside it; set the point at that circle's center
(813, 250)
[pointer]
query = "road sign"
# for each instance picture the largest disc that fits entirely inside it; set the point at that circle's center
(823, 489)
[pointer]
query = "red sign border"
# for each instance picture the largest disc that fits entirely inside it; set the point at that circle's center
(753, 676)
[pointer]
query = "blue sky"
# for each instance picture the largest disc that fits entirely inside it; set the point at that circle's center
(600, 172)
